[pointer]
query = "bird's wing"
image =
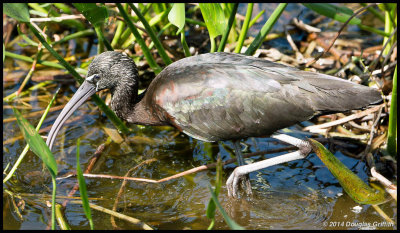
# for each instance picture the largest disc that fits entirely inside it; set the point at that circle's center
(221, 101)
(218, 97)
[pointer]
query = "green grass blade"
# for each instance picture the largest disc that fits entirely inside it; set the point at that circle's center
(82, 187)
(157, 69)
(253, 21)
(245, 27)
(102, 38)
(158, 18)
(265, 29)
(152, 35)
(224, 38)
(26, 38)
(39, 8)
(351, 183)
(195, 22)
(392, 131)
(118, 33)
(29, 59)
(389, 26)
(18, 11)
(85, 33)
(232, 224)
(22, 155)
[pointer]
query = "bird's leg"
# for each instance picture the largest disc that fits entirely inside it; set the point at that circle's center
(239, 172)
(246, 180)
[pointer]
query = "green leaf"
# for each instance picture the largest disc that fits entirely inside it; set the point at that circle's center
(214, 18)
(94, 14)
(22, 155)
(351, 183)
(82, 187)
(177, 16)
(18, 11)
(36, 143)
(341, 14)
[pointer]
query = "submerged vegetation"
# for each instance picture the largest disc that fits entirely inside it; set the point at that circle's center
(62, 39)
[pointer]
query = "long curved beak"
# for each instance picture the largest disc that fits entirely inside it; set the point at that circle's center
(84, 92)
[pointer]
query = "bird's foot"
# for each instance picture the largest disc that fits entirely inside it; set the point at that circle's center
(232, 184)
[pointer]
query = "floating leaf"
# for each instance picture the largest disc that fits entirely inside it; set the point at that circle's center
(351, 183)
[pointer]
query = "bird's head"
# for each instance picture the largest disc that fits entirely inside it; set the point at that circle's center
(109, 70)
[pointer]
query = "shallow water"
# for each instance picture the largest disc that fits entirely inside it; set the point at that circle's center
(297, 195)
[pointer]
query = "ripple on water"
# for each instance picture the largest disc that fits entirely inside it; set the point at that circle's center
(281, 209)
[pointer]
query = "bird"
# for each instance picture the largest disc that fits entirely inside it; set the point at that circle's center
(220, 96)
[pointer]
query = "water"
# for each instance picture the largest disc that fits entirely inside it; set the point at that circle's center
(297, 195)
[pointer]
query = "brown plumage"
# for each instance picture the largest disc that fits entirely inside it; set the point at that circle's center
(220, 96)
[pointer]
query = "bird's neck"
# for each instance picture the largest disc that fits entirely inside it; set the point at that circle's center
(123, 101)
(130, 106)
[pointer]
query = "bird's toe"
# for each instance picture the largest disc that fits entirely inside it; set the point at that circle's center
(232, 183)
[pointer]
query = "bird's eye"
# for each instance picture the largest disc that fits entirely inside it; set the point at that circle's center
(93, 79)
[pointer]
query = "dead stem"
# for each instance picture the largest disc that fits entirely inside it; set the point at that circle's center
(314, 128)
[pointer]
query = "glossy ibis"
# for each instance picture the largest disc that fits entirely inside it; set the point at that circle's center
(220, 96)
